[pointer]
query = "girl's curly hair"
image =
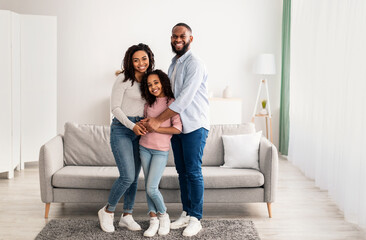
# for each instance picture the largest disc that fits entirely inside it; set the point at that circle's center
(128, 69)
(165, 83)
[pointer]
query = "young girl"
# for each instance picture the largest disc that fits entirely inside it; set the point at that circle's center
(154, 147)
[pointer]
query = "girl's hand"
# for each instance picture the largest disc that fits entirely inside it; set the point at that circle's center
(138, 130)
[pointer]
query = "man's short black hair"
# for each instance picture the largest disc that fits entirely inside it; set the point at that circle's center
(183, 25)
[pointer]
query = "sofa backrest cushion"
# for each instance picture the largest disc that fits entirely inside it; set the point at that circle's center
(87, 145)
(213, 154)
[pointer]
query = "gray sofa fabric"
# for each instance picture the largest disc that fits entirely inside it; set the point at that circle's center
(217, 177)
(87, 145)
(79, 167)
(89, 177)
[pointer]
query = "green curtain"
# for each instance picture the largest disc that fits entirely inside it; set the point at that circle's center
(285, 78)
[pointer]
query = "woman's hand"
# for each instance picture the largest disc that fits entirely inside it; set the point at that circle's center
(141, 125)
(138, 130)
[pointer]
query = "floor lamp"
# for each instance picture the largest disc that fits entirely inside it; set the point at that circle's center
(264, 65)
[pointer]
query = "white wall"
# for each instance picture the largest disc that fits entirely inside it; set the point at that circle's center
(93, 36)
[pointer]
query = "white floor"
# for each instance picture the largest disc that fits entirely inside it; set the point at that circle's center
(301, 210)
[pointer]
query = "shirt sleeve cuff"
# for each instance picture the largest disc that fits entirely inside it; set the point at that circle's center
(174, 107)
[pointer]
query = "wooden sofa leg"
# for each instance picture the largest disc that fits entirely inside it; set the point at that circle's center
(47, 209)
(269, 209)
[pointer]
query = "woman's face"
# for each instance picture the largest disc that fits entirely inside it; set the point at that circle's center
(140, 61)
(154, 85)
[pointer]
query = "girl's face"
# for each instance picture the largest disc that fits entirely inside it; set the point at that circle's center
(154, 85)
(140, 61)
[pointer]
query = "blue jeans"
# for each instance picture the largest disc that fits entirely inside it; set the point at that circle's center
(125, 148)
(153, 164)
(188, 151)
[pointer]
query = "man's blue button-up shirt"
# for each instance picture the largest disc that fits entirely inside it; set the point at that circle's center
(190, 90)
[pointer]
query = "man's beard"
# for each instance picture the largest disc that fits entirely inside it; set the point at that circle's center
(180, 52)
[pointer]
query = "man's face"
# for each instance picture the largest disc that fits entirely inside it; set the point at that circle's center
(180, 40)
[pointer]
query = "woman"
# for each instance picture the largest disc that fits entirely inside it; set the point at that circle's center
(127, 107)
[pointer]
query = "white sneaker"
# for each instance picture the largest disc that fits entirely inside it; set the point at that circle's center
(106, 220)
(153, 228)
(194, 226)
(128, 222)
(182, 221)
(164, 228)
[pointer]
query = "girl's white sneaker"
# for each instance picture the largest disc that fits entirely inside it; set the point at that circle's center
(164, 224)
(153, 228)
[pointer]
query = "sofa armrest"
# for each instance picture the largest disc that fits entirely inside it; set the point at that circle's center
(51, 159)
(268, 164)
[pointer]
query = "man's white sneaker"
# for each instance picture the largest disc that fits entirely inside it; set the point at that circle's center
(182, 221)
(106, 220)
(153, 228)
(194, 226)
(128, 222)
(164, 228)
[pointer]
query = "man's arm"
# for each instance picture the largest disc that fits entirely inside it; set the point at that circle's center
(154, 123)
(194, 77)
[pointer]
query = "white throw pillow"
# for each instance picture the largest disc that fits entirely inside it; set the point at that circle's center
(241, 151)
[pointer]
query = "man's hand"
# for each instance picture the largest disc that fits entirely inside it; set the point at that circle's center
(138, 130)
(151, 124)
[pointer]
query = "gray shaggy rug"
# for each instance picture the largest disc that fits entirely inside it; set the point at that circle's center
(89, 229)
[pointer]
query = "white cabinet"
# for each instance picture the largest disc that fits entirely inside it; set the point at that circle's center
(28, 87)
(225, 110)
(9, 92)
(39, 84)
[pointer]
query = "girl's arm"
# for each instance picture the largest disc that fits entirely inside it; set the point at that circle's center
(168, 130)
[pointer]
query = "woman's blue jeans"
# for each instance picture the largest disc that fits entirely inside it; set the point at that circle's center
(153, 164)
(188, 152)
(125, 148)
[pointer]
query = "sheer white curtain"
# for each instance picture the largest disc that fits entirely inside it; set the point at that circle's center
(327, 99)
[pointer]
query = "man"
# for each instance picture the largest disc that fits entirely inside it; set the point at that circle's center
(188, 76)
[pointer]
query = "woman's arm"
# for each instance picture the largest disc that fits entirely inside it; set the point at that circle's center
(118, 91)
(168, 130)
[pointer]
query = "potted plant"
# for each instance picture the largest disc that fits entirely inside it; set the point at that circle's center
(264, 110)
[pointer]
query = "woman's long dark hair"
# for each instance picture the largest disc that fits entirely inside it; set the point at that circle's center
(165, 83)
(128, 69)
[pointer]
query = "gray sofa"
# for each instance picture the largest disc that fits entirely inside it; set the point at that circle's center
(79, 167)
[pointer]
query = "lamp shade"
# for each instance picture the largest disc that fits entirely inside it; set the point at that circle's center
(265, 64)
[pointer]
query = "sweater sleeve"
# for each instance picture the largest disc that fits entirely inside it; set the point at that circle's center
(118, 91)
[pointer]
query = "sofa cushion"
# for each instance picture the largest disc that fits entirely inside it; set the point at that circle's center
(213, 154)
(241, 151)
(87, 145)
(88, 177)
(217, 177)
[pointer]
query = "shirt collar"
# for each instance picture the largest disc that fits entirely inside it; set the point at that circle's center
(183, 57)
